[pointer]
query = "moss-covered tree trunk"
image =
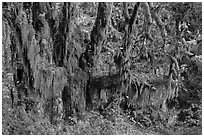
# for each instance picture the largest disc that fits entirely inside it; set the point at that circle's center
(98, 35)
(45, 47)
(129, 28)
(88, 60)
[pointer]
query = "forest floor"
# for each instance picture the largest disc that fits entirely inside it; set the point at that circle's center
(14, 123)
(113, 122)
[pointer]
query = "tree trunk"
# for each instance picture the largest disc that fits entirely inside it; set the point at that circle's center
(48, 49)
(127, 45)
(98, 35)
(159, 23)
(88, 60)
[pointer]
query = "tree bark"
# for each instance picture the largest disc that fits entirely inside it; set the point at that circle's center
(160, 24)
(98, 34)
(48, 50)
(88, 60)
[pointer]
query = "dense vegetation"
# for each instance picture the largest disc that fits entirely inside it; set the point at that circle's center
(102, 68)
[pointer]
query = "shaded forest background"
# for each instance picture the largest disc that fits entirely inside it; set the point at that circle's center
(101, 68)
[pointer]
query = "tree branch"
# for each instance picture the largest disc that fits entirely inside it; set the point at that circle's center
(134, 16)
(159, 23)
(125, 11)
(147, 12)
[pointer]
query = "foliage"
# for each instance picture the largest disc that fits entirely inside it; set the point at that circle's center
(61, 54)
